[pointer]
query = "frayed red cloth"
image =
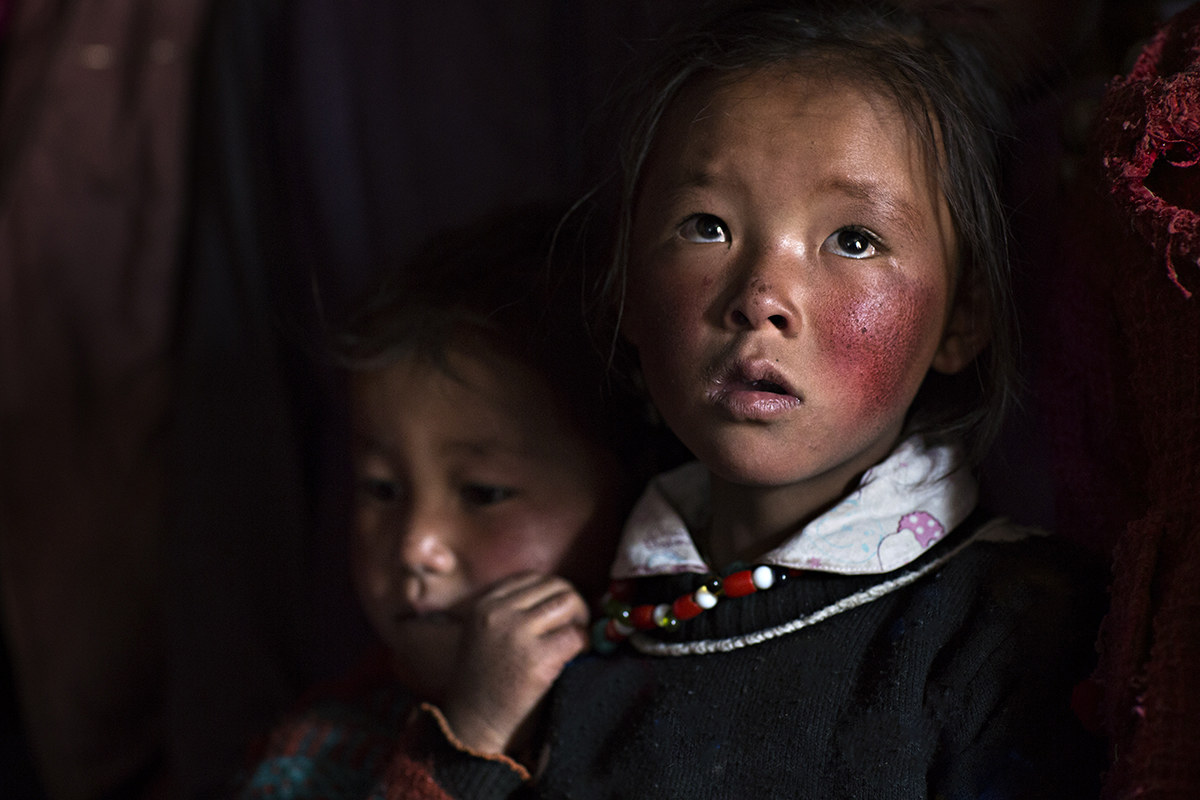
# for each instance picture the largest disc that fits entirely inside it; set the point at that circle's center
(1149, 670)
(1150, 138)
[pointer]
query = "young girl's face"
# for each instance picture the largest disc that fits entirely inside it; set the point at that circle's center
(791, 277)
(464, 480)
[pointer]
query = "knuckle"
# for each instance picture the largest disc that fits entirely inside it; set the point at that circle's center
(564, 601)
(567, 642)
(491, 618)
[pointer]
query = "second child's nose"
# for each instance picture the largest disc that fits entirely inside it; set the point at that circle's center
(426, 546)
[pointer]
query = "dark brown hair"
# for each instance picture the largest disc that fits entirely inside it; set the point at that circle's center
(496, 284)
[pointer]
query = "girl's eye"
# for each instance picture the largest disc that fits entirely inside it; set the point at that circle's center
(704, 229)
(852, 243)
(380, 489)
(480, 495)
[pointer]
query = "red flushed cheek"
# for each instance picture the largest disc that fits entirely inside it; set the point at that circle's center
(536, 545)
(882, 344)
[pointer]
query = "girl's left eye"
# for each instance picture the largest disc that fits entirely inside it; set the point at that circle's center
(480, 495)
(852, 243)
(704, 229)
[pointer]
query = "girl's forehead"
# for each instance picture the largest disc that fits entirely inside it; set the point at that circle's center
(854, 124)
(799, 88)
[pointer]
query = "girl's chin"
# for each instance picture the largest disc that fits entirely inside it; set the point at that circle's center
(745, 467)
(812, 489)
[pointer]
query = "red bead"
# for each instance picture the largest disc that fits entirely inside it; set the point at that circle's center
(642, 618)
(739, 584)
(686, 608)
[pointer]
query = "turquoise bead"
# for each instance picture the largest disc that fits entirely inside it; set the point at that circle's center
(600, 641)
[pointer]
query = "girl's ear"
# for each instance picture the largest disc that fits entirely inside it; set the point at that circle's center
(967, 333)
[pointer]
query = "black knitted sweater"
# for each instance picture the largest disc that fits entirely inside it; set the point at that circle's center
(956, 686)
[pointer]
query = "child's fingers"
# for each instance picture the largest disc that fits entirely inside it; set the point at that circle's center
(527, 593)
(549, 605)
(510, 586)
(530, 608)
(523, 634)
(558, 607)
(567, 641)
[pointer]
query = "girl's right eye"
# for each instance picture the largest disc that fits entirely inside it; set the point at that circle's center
(704, 229)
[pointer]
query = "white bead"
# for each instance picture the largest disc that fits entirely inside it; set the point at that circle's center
(704, 598)
(621, 628)
(763, 577)
(661, 613)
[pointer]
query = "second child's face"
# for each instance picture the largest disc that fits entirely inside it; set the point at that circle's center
(463, 481)
(791, 278)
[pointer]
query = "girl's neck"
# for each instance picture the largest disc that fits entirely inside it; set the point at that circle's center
(748, 521)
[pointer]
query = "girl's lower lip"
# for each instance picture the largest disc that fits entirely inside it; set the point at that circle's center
(744, 403)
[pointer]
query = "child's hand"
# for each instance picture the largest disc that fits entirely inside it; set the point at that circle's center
(517, 638)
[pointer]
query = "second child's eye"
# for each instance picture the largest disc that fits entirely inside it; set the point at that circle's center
(380, 490)
(852, 243)
(704, 229)
(482, 494)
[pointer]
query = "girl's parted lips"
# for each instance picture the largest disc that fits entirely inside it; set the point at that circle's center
(755, 375)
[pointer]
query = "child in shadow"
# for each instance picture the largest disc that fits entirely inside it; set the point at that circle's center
(492, 466)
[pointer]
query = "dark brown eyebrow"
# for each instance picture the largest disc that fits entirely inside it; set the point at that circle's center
(698, 176)
(899, 211)
(692, 178)
(480, 447)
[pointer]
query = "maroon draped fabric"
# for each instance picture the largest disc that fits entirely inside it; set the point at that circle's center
(1146, 274)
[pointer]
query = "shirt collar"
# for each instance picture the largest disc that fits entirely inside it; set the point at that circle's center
(902, 505)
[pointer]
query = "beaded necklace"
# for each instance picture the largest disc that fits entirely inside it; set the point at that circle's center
(621, 618)
(622, 621)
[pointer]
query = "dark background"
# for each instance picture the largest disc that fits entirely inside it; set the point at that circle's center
(187, 189)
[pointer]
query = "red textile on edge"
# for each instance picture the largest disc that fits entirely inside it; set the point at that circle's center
(1149, 135)
(1151, 119)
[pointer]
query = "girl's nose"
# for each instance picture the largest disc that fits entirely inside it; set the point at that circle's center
(762, 302)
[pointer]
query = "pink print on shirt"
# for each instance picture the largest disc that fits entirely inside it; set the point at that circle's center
(924, 527)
